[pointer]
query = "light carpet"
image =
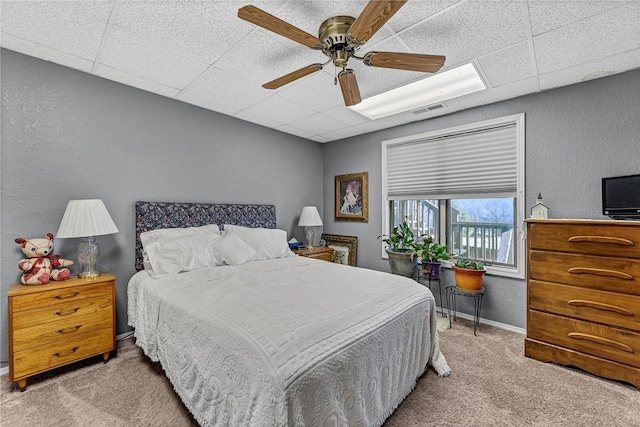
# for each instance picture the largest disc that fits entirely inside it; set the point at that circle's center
(492, 384)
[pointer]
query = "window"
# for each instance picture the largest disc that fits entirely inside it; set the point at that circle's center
(464, 186)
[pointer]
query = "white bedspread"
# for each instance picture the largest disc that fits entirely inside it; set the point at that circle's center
(291, 341)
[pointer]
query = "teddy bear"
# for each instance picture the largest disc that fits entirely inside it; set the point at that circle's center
(38, 268)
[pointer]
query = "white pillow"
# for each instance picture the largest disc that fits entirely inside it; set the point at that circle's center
(267, 242)
(163, 234)
(186, 253)
(231, 250)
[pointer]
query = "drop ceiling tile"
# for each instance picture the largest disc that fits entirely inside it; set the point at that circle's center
(415, 11)
(470, 29)
(228, 89)
(244, 115)
(345, 115)
(507, 65)
(308, 15)
(342, 133)
(386, 122)
(71, 27)
(591, 70)
(507, 91)
(135, 81)
(606, 34)
(315, 91)
(48, 54)
(279, 110)
(549, 15)
(269, 6)
(317, 124)
(200, 29)
(211, 103)
(150, 58)
(295, 131)
(320, 138)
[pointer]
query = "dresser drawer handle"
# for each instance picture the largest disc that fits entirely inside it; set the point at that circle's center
(602, 239)
(600, 306)
(65, 296)
(600, 340)
(67, 330)
(600, 272)
(64, 353)
(64, 313)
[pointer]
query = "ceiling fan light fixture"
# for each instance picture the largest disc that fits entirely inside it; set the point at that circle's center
(440, 87)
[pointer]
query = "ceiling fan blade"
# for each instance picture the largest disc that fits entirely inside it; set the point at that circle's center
(265, 20)
(294, 75)
(349, 87)
(405, 61)
(374, 15)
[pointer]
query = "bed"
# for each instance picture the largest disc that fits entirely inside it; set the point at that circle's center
(285, 340)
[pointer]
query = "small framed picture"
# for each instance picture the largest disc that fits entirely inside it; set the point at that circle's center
(352, 197)
(345, 248)
(322, 243)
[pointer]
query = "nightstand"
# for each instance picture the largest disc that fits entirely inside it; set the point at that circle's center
(59, 323)
(325, 254)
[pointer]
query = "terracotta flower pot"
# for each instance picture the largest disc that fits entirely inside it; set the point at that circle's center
(469, 279)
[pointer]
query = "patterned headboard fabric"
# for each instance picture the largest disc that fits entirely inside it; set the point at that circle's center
(154, 215)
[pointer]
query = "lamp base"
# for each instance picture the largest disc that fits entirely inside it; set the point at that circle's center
(89, 275)
(311, 235)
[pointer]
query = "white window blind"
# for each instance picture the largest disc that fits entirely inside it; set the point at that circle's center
(471, 163)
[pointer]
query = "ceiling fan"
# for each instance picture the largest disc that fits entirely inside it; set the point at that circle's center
(339, 38)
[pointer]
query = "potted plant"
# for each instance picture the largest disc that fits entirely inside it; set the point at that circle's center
(469, 274)
(401, 250)
(432, 255)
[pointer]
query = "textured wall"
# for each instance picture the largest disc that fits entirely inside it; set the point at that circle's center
(574, 136)
(69, 135)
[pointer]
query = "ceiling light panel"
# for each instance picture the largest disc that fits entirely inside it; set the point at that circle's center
(440, 87)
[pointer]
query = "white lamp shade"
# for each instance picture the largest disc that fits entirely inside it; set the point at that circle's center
(310, 217)
(84, 218)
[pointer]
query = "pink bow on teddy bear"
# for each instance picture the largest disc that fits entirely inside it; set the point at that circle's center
(38, 268)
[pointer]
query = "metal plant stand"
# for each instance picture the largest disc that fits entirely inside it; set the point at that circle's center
(428, 277)
(452, 291)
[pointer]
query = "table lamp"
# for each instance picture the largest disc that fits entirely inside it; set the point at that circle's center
(310, 218)
(86, 219)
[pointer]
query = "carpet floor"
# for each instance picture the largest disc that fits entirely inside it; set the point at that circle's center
(492, 384)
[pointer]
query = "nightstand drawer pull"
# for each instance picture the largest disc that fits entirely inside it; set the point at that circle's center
(600, 272)
(63, 313)
(600, 340)
(602, 239)
(600, 306)
(67, 330)
(65, 296)
(64, 353)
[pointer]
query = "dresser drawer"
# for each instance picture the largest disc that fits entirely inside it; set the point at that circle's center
(66, 311)
(27, 301)
(34, 336)
(599, 340)
(601, 239)
(587, 304)
(45, 357)
(611, 274)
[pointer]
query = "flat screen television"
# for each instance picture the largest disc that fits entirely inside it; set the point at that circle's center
(621, 197)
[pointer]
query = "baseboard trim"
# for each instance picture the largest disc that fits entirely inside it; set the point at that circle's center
(5, 370)
(483, 321)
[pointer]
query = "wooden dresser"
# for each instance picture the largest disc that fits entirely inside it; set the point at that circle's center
(325, 254)
(583, 295)
(59, 323)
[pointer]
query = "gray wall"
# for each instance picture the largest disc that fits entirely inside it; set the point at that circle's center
(70, 135)
(574, 136)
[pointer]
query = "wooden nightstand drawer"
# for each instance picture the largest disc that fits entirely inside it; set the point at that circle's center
(602, 239)
(587, 304)
(325, 254)
(67, 310)
(45, 357)
(45, 333)
(59, 295)
(599, 340)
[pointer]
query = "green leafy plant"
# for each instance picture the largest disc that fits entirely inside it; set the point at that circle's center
(431, 251)
(401, 239)
(468, 264)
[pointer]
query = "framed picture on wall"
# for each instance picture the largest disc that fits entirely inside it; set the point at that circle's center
(352, 197)
(345, 248)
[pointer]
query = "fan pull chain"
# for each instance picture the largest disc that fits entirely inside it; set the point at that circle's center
(335, 76)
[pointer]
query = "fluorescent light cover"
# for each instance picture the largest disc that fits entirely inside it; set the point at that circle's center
(449, 84)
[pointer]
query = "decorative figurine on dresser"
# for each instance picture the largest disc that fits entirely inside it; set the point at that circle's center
(60, 320)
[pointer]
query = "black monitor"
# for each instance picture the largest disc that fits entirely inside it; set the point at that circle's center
(621, 197)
